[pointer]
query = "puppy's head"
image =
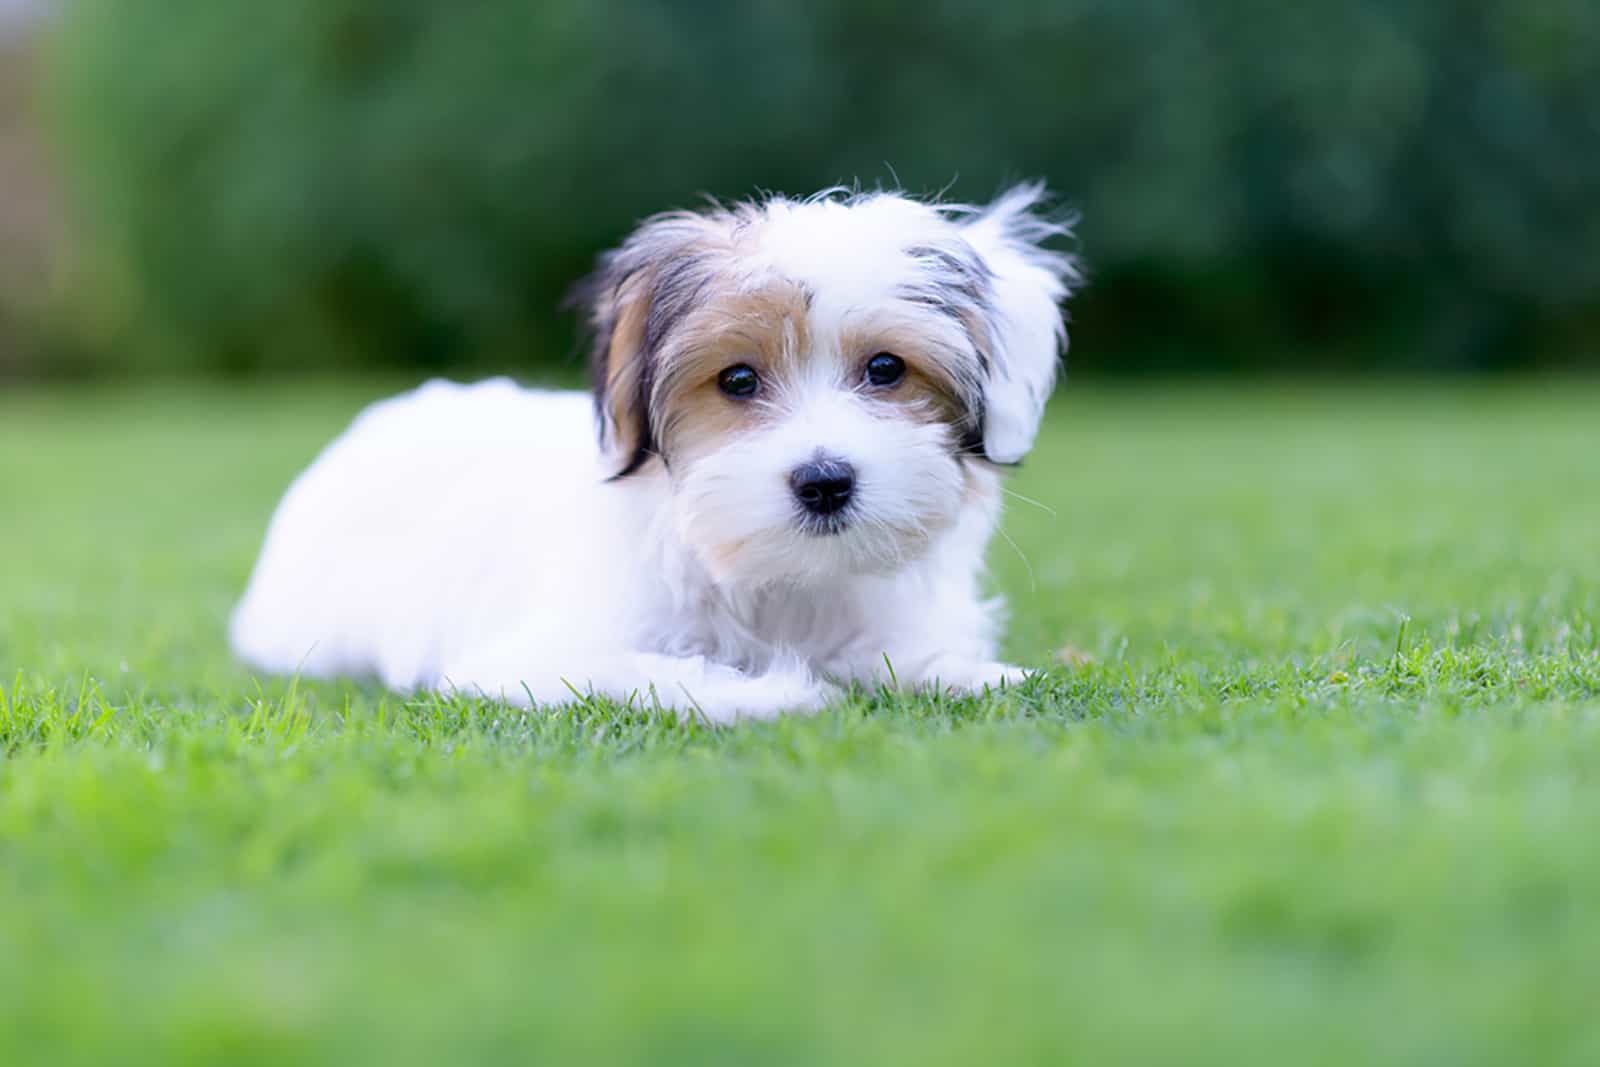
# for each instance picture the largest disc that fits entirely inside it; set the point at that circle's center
(820, 379)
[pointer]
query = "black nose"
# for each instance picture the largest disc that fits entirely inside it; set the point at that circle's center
(823, 485)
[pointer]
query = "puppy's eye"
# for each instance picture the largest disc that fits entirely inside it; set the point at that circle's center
(739, 380)
(885, 369)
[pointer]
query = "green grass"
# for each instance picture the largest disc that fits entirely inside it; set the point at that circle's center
(1329, 790)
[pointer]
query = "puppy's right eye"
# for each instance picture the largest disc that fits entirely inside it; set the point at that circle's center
(739, 380)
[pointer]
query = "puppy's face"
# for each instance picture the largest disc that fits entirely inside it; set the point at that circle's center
(820, 379)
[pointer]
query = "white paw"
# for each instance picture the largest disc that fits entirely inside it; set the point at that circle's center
(727, 695)
(974, 676)
(689, 686)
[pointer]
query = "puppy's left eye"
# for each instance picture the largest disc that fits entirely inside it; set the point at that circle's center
(885, 369)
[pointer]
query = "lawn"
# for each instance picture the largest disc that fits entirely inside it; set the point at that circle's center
(1314, 776)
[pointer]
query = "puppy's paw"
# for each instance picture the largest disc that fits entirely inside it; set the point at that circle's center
(974, 676)
(689, 686)
(727, 695)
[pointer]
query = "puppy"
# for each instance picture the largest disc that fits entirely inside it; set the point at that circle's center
(802, 409)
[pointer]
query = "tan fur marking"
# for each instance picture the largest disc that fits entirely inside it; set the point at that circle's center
(929, 391)
(764, 328)
(624, 364)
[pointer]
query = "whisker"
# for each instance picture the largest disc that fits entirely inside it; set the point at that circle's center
(1046, 508)
(1033, 585)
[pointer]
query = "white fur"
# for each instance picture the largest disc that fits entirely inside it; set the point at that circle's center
(468, 538)
(1030, 284)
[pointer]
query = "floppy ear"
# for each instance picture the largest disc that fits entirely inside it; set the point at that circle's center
(615, 302)
(1027, 335)
(632, 301)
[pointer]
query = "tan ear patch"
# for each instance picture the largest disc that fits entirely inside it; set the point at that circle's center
(626, 414)
(636, 298)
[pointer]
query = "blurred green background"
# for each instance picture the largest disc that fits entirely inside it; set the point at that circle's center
(1314, 773)
(236, 186)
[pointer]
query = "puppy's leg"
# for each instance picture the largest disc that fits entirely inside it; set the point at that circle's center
(690, 685)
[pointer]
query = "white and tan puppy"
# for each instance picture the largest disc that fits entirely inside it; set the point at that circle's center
(802, 406)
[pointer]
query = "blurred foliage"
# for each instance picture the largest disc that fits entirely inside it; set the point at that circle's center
(1401, 183)
(25, 215)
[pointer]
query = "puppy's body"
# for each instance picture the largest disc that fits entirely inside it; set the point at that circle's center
(740, 553)
(466, 537)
